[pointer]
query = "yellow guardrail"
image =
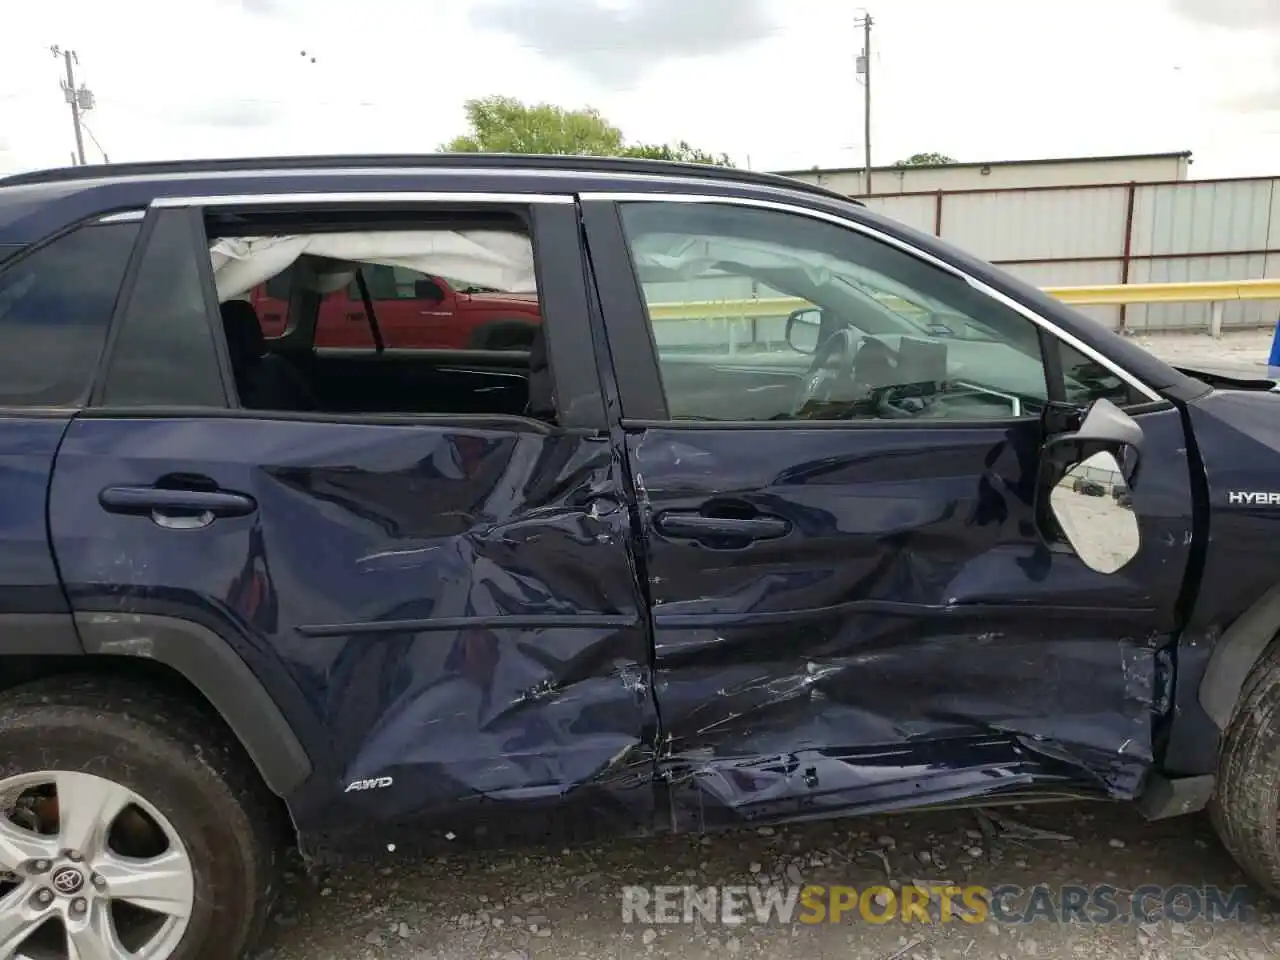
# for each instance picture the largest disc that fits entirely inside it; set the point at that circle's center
(1214, 291)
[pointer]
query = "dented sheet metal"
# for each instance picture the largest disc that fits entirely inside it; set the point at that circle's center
(456, 608)
(912, 638)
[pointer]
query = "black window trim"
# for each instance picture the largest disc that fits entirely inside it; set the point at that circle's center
(627, 321)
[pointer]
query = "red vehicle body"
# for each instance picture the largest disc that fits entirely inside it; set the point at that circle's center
(413, 310)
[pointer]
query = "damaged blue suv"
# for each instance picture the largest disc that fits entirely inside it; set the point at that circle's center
(775, 509)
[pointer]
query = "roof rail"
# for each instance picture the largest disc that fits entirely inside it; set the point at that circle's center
(427, 161)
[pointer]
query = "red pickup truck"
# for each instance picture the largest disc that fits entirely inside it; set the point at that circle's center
(414, 311)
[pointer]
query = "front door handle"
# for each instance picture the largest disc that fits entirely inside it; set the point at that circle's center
(695, 526)
(176, 509)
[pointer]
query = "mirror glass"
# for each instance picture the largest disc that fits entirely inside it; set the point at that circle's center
(803, 328)
(1093, 507)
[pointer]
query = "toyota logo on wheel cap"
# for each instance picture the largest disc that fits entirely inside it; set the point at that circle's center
(68, 880)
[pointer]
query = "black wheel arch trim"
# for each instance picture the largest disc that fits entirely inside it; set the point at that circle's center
(218, 672)
(1234, 656)
(36, 634)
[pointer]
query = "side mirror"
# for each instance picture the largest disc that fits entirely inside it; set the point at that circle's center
(1084, 487)
(803, 329)
(427, 290)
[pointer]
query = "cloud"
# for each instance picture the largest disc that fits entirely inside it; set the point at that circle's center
(617, 43)
(232, 113)
(265, 8)
(1262, 100)
(1233, 14)
(1262, 19)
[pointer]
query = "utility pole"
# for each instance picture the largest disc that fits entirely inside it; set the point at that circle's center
(80, 99)
(864, 71)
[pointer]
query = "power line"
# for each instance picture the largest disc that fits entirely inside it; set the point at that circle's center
(85, 126)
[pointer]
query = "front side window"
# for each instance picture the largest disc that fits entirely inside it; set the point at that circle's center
(1086, 380)
(760, 314)
(55, 307)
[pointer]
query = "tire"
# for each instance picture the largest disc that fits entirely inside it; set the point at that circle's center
(169, 756)
(1246, 800)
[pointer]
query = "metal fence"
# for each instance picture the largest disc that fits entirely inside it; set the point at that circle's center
(1181, 231)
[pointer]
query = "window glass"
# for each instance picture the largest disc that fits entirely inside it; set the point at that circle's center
(279, 286)
(491, 292)
(466, 289)
(393, 283)
(765, 315)
(55, 307)
(1086, 380)
(164, 354)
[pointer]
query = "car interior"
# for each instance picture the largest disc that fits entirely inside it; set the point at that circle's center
(867, 361)
(288, 373)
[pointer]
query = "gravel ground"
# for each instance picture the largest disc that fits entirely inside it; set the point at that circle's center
(567, 903)
(561, 903)
(1244, 346)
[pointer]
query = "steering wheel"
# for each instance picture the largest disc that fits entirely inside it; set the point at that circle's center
(832, 368)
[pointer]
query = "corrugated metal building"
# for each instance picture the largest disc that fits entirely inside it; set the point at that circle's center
(1188, 230)
(1055, 223)
(1004, 174)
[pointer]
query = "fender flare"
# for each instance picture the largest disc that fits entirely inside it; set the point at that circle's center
(1234, 656)
(213, 667)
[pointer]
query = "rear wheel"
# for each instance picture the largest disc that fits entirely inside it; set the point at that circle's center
(126, 829)
(1246, 803)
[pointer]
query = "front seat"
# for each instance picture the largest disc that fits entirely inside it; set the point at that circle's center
(265, 381)
(873, 367)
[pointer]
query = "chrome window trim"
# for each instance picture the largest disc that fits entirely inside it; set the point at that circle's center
(379, 196)
(126, 216)
(988, 291)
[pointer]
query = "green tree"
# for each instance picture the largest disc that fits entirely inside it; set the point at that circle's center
(681, 151)
(506, 125)
(925, 160)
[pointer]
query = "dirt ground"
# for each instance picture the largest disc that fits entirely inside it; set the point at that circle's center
(561, 903)
(565, 903)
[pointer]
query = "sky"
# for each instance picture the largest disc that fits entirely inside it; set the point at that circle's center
(770, 82)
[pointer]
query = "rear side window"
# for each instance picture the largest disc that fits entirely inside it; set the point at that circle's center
(55, 306)
(164, 354)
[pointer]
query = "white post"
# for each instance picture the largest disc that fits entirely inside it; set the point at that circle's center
(1215, 319)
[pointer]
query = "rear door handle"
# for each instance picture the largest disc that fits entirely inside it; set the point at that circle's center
(176, 509)
(695, 526)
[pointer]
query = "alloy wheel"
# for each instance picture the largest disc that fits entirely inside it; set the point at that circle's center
(89, 870)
